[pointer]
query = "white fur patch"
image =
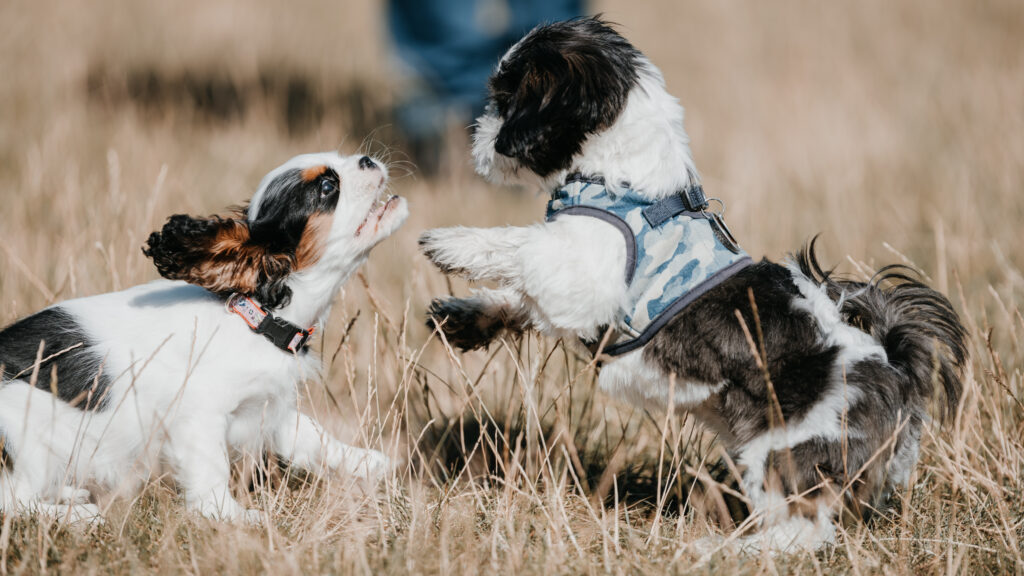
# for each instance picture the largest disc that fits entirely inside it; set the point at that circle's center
(633, 378)
(854, 345)
(647, 145)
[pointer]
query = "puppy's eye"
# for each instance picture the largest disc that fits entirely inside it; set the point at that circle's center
(327, 187)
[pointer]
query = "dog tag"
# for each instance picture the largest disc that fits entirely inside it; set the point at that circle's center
(723, 233)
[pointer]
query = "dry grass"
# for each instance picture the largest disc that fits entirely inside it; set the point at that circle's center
(897, 129)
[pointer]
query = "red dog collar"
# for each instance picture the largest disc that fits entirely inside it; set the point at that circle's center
(282, 333)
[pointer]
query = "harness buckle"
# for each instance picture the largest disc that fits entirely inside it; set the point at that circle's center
(695, 199)
(718, 226)
(229, 304)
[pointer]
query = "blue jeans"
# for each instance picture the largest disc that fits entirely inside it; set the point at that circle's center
(453, 45)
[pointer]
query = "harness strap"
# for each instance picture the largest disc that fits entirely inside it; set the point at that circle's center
(685, 250)
(280, 332)
(689, 200)
(672, 311)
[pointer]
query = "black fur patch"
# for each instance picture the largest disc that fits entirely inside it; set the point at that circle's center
(286, 206)
(6, 460)
(80, 378)
(563, 82)
(465, 323)
(288, 203)
(706, 343)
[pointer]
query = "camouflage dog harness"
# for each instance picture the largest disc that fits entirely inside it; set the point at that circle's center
(675, 250)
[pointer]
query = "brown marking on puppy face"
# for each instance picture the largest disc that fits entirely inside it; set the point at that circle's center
(314, 240)
(312, 173)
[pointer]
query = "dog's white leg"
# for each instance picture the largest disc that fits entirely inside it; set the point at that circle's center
(20, 493)
(780, 532)
(476, 253)
(199, 450)
(73, 495)
(570, 272)
(305, 444)
(68, 513)
(794, 534)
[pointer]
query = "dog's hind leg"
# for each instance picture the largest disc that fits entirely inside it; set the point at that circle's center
(805, 526)
(25, 490)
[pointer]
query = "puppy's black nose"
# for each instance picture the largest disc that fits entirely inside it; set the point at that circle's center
(367, 163)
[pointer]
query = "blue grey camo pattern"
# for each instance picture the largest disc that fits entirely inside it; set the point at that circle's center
(672, 264)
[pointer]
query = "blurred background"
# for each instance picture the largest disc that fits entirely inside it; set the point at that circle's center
(869, 121)
(895, 129)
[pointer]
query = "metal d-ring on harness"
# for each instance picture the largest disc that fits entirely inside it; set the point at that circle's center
(676, 249)
(693, 200)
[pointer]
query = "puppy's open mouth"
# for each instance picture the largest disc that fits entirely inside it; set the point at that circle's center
(377, 212)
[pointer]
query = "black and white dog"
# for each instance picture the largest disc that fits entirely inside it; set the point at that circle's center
(200, 365)
(820, 395)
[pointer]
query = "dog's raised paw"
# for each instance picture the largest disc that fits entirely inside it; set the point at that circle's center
(463, 322)
(440, 246)
(370, 465)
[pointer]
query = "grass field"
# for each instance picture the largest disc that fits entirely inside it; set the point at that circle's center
(895, 129)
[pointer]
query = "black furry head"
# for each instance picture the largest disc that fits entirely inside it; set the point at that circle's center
(252, 256)
(559, 84)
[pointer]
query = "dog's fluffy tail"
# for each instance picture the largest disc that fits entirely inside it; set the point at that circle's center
(918, 327)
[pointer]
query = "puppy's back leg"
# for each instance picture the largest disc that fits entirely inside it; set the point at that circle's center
(26, 490)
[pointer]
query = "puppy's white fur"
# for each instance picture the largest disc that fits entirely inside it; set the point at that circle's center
(191, 381)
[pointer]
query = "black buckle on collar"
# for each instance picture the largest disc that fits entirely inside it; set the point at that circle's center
(283, 334)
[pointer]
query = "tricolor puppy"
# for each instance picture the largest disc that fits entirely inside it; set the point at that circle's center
(202, 365)
(820, 396)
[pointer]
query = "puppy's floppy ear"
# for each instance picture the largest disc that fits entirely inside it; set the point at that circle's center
(220, 255)
(562, 83)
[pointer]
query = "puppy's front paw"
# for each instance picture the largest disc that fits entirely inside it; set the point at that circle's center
(223, 508)
(72, 495)
(71, 514)
(370, 465)
(252, 517)
(446, 248)
(464, 322)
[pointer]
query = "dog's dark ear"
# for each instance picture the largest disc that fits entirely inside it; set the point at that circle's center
(220, 255)
(562, 83)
